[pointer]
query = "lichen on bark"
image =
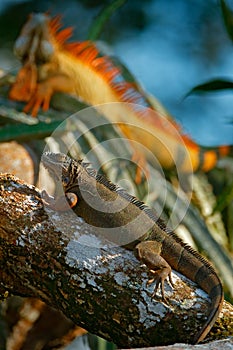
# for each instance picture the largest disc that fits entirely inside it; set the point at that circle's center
(98, 285)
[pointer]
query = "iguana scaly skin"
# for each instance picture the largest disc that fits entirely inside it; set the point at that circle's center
(52, 64)
(129, 222)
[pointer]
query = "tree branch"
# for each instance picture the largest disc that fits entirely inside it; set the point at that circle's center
(101, 287)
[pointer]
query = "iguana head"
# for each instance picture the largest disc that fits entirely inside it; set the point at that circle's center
(61, 167)
(34, 41)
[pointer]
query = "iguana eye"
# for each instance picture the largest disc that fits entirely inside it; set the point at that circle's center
(66, 180)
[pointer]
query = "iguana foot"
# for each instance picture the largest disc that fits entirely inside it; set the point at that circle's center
(160, 277)
(149, 254)
(40, 98)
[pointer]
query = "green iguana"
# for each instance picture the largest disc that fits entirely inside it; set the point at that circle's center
(129, 222)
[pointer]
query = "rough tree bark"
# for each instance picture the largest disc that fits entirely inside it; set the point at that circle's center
(101, 287)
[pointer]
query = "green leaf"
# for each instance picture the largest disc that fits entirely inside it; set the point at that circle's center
(228, 18)
(126, 73)
(25, 132)
(211, 86)
(98, 25)
(225, 198)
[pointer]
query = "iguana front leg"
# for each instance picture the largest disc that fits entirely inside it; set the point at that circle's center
(149, 253)
(25, 83)
(45, 90)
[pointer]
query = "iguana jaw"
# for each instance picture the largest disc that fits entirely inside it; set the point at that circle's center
(56, 164)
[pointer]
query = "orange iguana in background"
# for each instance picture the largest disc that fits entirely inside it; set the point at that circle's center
(52, 64)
